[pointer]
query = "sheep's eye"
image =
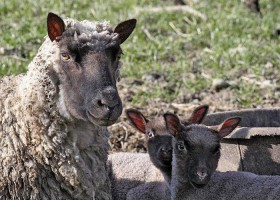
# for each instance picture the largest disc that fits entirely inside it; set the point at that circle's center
(65, 56)
(119, 56)
(151, 134)
(181, 146)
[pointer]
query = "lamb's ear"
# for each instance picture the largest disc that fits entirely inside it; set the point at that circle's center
(55, 25)
(172, 123)
(228, 126)
(198, 114)
(137, 119)
(124, 29)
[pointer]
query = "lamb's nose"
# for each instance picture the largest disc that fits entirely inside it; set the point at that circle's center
(166, 149)
(202, 173)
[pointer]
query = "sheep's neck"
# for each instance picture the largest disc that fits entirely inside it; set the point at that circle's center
(90, 146)
(85, 135)
(166, 171)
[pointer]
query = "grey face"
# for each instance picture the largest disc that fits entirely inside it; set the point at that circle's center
(87, 65)
(88, 81)
(198, 150)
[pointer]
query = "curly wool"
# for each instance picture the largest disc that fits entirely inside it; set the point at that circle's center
(43, 153)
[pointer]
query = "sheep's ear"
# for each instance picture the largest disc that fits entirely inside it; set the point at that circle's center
(198, 114)
(137, 119)
(228, 126)
(55, 25)
(124, 29)
(172, 123)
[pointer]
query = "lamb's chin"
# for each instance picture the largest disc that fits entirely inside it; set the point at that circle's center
(198, 185)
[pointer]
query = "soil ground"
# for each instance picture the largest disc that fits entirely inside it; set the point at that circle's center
(126, 139)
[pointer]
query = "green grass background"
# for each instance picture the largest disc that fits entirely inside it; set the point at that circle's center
(230, 44)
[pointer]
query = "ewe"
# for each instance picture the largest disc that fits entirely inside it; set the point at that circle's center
(53, 139)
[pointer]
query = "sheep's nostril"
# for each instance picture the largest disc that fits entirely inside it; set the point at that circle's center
(109, 102)
(106, 107)
(99, 103)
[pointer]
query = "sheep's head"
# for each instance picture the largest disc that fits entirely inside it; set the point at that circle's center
(196, 148)
(87, 64)
(158, 137)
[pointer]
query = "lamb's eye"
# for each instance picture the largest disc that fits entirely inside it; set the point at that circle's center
(151, 134)
(181, 146)
(65, 56)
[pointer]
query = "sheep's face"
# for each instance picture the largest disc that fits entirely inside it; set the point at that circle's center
(88, 82)
(159, 143)
(158, 139)
(196, 148)
(87, 64)
(197, 151)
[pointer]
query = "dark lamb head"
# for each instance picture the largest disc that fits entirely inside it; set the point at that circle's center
(197, 148)
(158, 140)
(87, 64)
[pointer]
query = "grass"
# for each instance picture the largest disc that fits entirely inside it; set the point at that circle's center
(232, 43)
